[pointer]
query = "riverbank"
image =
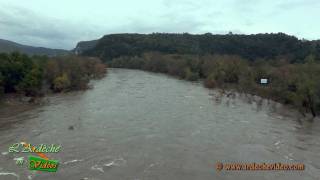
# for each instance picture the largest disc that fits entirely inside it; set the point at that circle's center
(145, 125)
(294, 84)
(260, 103)
(21, 102)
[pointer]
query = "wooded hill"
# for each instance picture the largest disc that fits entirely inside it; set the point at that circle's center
(251, 47)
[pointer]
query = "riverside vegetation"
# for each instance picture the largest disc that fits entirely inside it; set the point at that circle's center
(223, 61)
(34, 76)
(296, 84)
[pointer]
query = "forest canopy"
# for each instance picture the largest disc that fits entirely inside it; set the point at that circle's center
(251, 47)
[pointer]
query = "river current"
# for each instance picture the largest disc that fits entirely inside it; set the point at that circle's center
(135, 125)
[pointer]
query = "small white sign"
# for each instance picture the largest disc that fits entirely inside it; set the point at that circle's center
(263, 81)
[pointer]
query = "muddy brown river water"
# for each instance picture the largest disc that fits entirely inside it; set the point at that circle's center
(135, 125)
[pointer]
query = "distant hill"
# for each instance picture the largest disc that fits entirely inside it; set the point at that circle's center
(9, 46)
(252, 47)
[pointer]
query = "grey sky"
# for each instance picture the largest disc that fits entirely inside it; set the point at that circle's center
(62, 23)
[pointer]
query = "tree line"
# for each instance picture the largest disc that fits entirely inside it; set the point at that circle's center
(296, 84)
(32, 76)
(250, 47)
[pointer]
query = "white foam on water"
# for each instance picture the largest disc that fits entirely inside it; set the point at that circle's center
(109, 164)
(277, 143)
(119, 162)
(97, 168)
(18, 158)
(116, 162)
(289, 158)
(5, 153)
(149, 167)
(9, 174)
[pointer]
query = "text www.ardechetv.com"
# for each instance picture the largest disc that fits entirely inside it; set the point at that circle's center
(260, 166)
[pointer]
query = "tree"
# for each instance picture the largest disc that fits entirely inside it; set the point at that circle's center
(51, 70)
(61, 83)
(32, 82)
(305, 93)
(14, 68)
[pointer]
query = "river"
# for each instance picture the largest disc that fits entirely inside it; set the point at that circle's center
(135, 125)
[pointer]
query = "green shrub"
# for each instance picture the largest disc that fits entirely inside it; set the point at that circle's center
(61, 83)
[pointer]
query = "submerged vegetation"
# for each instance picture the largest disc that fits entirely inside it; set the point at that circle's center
(33, 76)
(296, 84)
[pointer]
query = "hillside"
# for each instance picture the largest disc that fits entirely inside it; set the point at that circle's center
(9, 46)
(252, 47)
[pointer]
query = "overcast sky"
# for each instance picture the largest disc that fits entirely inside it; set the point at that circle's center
(62, 23)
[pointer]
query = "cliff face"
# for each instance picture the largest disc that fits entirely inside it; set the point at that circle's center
(84, 46)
